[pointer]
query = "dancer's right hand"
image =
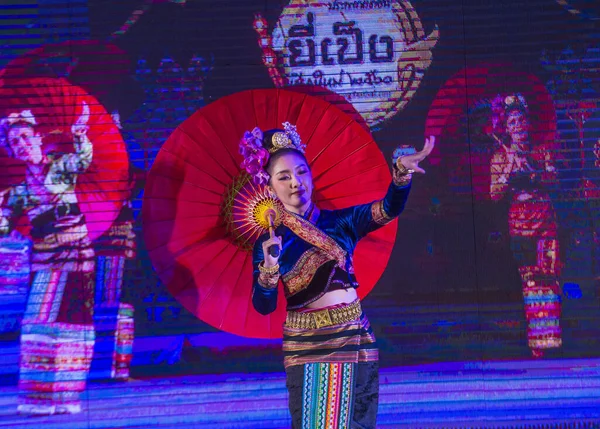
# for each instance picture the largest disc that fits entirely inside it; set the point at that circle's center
(80, 127)
(270, 261)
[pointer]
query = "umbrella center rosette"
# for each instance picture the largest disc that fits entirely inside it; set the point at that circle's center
(246, 209)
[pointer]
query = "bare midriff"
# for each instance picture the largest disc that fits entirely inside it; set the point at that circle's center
(340, 296)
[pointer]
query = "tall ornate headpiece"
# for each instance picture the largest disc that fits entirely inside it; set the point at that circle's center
(256, 153)
(287, 139)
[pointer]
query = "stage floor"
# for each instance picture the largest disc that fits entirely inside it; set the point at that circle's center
(518, 394)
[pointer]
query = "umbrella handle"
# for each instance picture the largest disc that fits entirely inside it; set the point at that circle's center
(273, 250)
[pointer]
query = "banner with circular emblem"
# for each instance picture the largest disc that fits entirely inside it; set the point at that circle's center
(373, 53)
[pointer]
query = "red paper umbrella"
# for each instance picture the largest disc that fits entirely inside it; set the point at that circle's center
(56, 105)
(196, 181)
(458, 120)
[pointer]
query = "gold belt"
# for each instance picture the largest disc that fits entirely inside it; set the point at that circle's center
(322, 318)
(67, 236)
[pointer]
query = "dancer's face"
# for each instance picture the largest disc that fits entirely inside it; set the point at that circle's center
(517, 126)
(25, 145)
(291, 181)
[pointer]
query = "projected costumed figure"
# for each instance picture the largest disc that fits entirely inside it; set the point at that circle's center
(523, 173)
(57, 334)
(68, 192)
(330, 355)
(78, 62)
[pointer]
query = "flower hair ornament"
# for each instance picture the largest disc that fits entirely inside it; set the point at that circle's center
(256, 155)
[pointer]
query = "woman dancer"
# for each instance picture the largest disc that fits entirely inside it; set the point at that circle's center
(522, 172)
(57, 336)
(330, 355)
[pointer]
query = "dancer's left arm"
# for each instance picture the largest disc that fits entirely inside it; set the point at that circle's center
(64, 170)
(362, 219)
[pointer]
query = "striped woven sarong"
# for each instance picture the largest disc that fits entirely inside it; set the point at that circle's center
(332, 375)
(57, 342)
(55, 359)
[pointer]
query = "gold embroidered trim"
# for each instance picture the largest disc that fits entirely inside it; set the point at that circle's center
(303, 271)
(125, 230)
(67, 236)
(313, 235)
(268, 281)
(379, 214)
(270, 270)
(402, 170)
(401, 179)
(322, 318)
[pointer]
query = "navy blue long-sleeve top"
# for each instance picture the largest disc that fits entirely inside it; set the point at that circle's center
(307, 271)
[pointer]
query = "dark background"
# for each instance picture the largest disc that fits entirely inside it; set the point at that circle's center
(451, 290)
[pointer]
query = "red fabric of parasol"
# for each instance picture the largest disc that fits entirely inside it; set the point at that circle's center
(56, 105)
(196, 182)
